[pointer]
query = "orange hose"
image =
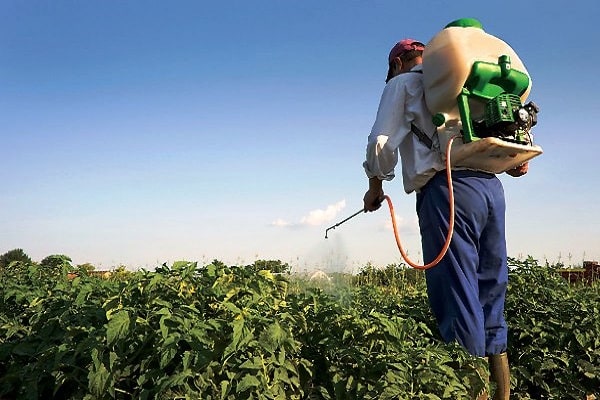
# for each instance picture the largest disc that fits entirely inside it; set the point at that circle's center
(451, 223)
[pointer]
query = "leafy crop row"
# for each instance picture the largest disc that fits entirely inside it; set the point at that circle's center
(554, 334)
(251, 332)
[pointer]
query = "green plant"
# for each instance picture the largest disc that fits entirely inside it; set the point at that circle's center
(227, 332)
(13, 255)
(554, 333)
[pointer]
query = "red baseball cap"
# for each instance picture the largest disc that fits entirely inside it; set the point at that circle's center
(399, 49)
(404, 46)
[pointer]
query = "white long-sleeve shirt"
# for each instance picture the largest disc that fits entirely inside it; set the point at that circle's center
(402, 103)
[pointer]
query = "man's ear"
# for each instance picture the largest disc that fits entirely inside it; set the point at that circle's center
(398, 62)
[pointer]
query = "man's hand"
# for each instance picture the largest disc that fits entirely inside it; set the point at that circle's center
(519, 171)
(374, 196)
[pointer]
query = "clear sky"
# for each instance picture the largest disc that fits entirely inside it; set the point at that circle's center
(143, 132)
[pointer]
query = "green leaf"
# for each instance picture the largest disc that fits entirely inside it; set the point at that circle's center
(118, 326)
(186, 359)
(232, 307)
(267, 274)
(24, 349)
(166, 356)
(252, 364)
(224, 389)
(247, 382)
(112, 357)
(211, 270)
(98, 376)
(164, 329)
(242, 335)
(272, 337)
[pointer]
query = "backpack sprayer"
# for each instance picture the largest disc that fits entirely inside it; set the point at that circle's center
(475, 86)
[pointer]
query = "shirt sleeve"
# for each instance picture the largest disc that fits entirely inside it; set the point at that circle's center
(389, 130)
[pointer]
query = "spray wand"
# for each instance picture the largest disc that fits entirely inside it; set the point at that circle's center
(341, 222)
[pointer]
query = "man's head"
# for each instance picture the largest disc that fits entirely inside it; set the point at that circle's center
(404, 55)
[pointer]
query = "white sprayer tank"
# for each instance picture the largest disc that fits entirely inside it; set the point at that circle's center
(448, 58)
(447, 62)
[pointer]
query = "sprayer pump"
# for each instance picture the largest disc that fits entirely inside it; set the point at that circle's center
(506, 118)
(499, 88)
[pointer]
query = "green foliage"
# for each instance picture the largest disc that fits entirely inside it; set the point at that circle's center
(15, 255)
(554, 333)
(87, 267)
(275, 266)
(56, 265)
(231, 332)
(56, 261)
(367, 344)
(399, 278)
(120, 274)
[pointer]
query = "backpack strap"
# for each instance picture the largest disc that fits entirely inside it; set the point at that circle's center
(422, 136)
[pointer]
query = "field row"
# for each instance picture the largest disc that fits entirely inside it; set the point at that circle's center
(257, 332)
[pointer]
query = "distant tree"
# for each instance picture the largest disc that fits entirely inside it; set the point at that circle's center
(56, 260)
(275, 266)
(87, 267)
(56, 265)
(14, 255)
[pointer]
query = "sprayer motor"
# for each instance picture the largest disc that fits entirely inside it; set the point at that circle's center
(507, 118)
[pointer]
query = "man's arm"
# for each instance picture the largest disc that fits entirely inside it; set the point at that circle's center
(386, 135)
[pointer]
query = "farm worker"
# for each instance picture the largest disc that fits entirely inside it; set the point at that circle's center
(467, 289)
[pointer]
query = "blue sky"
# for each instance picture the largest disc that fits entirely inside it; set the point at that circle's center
(143, 132)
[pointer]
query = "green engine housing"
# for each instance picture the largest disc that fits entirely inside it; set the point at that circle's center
(501, 109)
(500, 87)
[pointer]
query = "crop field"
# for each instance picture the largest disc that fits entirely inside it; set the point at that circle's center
(190, 331)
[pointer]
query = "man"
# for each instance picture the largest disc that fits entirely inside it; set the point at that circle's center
(466, 290)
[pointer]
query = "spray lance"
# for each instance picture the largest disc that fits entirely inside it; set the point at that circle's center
(341, 222)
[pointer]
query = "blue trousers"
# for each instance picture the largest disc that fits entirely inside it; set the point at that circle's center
(467, 288)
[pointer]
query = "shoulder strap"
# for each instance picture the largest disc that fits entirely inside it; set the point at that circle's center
(422, 136)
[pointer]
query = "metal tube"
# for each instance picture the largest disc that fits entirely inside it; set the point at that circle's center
(341, 222)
